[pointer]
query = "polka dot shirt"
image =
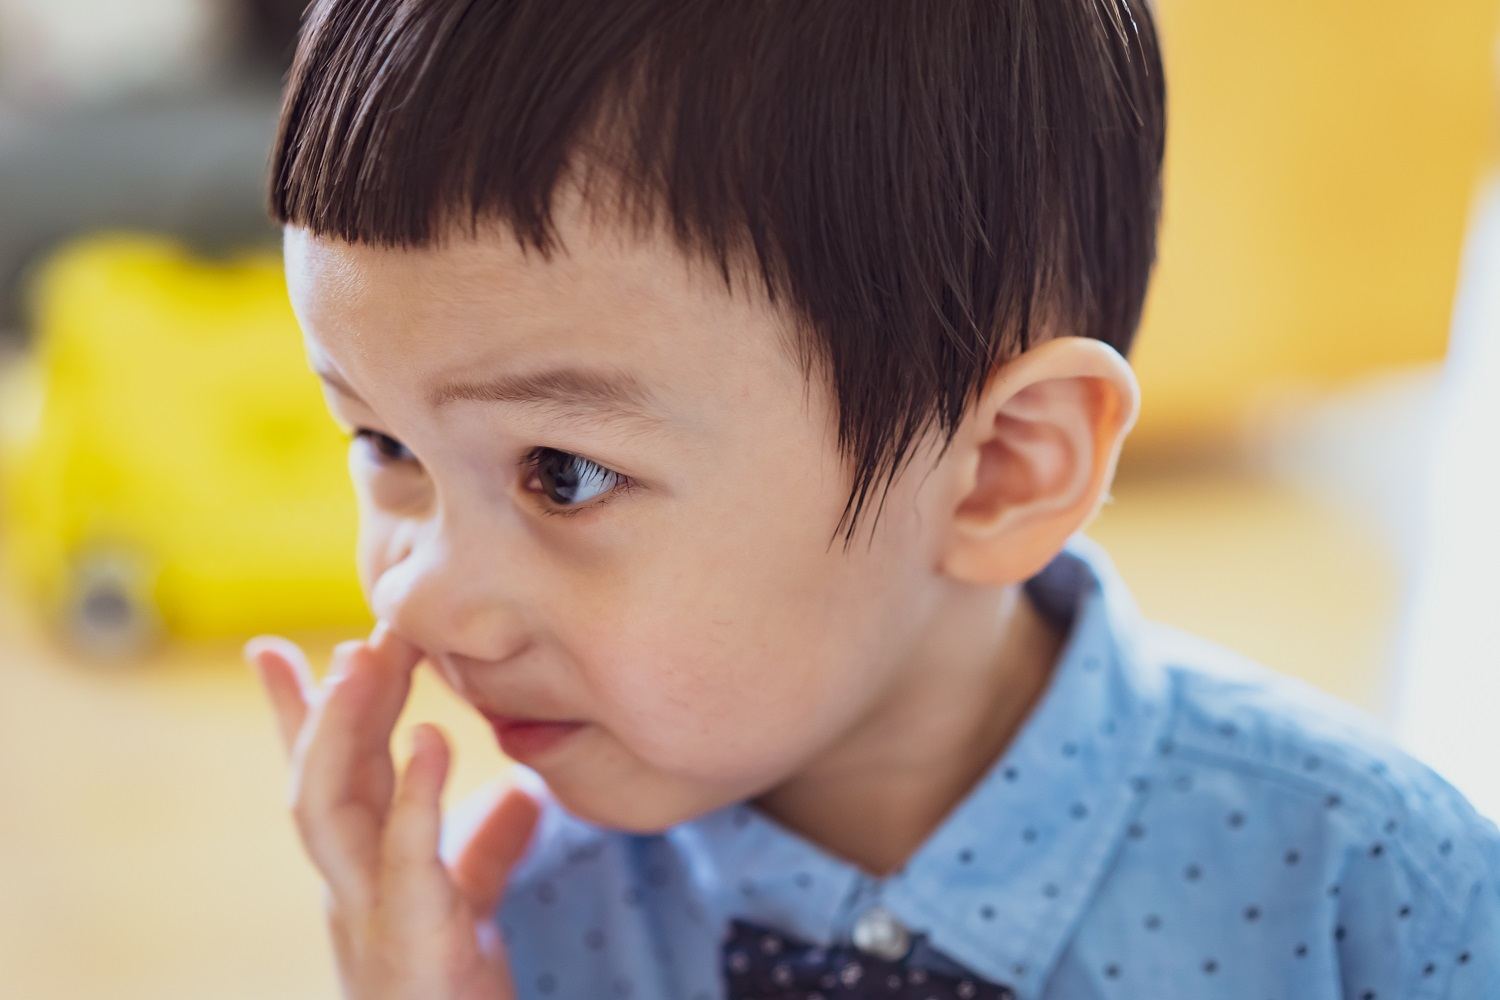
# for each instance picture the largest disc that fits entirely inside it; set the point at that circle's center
(1170, 823)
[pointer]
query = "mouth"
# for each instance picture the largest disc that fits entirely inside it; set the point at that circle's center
(525, 740)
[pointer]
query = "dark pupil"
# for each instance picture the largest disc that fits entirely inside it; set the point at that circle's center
(389, 447)
(559, 475)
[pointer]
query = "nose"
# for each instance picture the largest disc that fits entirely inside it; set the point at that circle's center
(447, 599)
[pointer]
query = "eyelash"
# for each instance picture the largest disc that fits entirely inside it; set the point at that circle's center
(377, 443)
(531, 467)
(380, 443)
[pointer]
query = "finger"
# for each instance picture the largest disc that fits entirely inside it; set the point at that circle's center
(416, 813)
(390, 660)
(347, 742)
(485, 860)
(343, 776)
(392, 648)
(342, 658)
(342, 934)
(413, 879)
(287, 680)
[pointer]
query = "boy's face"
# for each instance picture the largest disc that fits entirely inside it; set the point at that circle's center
(598, 489)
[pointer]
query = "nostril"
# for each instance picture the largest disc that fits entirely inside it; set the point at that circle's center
(464, 665)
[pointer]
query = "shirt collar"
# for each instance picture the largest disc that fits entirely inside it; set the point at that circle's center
(1001, 884)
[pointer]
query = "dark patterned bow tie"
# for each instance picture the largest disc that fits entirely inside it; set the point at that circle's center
(761, 964)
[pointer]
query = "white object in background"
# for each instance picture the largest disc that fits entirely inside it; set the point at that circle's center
(1447, 709)
(59, 52)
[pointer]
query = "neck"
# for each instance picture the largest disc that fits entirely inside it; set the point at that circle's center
(931, 736)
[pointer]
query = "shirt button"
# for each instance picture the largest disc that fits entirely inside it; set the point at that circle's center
(881, 935)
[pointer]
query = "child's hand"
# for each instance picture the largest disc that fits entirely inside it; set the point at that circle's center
(405, 925)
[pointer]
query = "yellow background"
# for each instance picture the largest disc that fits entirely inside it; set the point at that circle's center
(1321, 159)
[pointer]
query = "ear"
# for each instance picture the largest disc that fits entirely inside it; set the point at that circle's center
(1033, 460)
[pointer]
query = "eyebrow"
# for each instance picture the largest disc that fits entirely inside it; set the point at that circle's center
(336, 382)
(573, 390)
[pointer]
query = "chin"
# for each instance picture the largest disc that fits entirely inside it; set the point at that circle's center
(640, 807)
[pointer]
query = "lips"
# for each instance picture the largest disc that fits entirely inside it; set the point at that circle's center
(527, 739)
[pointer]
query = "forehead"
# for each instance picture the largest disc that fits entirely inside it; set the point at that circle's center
(479, 300)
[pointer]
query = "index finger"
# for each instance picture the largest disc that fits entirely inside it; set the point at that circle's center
(343, 752)
(342, 773)
(396, 652)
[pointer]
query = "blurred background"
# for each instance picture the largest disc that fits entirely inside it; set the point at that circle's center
(1313, 482)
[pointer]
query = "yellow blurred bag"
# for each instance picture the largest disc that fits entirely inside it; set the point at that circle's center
(165, 459)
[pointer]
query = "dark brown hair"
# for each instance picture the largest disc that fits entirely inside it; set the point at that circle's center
(921, 181)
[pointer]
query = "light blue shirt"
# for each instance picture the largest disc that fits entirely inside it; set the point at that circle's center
(1171, 822)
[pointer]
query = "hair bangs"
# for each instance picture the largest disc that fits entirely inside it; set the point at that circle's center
(916, 183)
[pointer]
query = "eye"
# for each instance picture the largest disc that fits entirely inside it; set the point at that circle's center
(386, 448)
(568, 480)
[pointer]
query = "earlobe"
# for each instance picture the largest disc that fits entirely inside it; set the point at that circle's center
(1034, 459)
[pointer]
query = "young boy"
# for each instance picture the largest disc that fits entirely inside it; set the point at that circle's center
(728, 382)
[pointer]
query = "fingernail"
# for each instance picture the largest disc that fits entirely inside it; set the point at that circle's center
(421, 737)
(255, 647)
(386, 642)
(343, 657)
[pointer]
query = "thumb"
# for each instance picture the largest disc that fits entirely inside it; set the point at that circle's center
(483, 863)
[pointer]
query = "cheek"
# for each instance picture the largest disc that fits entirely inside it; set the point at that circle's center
(387, 500)
(380, 544)
(709, 706)
(749, 665)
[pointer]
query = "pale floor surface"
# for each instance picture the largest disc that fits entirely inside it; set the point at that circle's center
(145, 853)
